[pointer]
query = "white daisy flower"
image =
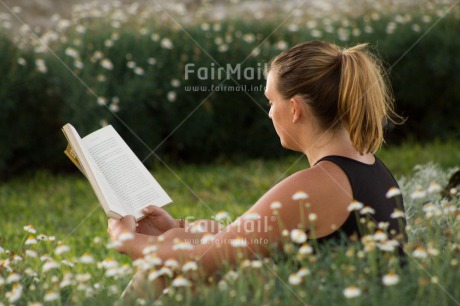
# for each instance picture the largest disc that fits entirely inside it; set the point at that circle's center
(163, 271)
(256, 264)
(434, 187)
(418, 194)
(107, 64)
(31, 253)
(419, 252)
(71, 52)
(15, 294)
(83, 277)
(171, 263)
(108, 263)
(222, 285)
(166, 43)
(113, 244)
(351, 292)
(171, 96)
(30, 229)
(355, 205)
(13, 278)
(432, 251)
(61, 248)
(390, 279)
(21, 61)
(139, 71)
(303, 272)
(126, 236)
(298, 236)
(397, 213)
(388, 245)
(51, 296)
(42, 237)
(31, 240)
(275, 205)
(190, 266)
(380, 236)
(305, 249)
(181, 281)
(86, 259)
(221, 215)
(41, 65)
(182, 246)
(294, 279)
(175, 83)
(149, 249)
(393, 192)
(383, 225)
(300, 195)
(50, 265)
(367, 210)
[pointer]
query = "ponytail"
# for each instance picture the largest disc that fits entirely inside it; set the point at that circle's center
(343, 88)
(365, 100)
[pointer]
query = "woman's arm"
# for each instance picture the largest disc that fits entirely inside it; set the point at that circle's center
(259, 230)
(157, 221)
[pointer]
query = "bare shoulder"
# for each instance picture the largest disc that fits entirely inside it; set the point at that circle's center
(324, 177)
(329, 194)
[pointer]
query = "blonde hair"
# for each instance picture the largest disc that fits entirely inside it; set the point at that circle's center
(346, 88)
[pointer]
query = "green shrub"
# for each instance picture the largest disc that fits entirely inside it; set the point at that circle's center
(143, 92)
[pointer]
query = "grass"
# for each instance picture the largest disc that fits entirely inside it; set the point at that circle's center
(66, 208)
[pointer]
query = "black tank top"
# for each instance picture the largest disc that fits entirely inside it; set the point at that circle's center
(369, 184)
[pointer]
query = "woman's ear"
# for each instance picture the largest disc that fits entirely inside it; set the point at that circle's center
(296, 109)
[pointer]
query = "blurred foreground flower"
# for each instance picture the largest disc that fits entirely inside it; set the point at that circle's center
(294, 279)
(355, 205)
(30, 229)
(51, 296)
(86, 259)
(298, 236)
(15, 294)
(300, 195)
(181, 281)
(351, 292)
(390, 279)
(392, 192)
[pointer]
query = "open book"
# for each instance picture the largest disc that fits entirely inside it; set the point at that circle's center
(121, 182)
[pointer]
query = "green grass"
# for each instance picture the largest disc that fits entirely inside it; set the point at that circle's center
(66, 207)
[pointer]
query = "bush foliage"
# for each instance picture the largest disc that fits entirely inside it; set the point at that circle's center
(126, 67)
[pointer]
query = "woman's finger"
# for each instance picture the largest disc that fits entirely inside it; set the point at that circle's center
(152, 210)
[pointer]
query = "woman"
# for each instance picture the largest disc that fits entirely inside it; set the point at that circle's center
(330, 104)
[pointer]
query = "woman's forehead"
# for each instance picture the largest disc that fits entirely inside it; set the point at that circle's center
(270, 83)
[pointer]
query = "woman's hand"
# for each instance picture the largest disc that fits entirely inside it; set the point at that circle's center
(125, 226)
(156, 222)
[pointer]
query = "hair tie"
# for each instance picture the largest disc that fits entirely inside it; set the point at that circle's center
(340, 57)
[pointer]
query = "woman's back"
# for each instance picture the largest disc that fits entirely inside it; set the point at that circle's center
(370, 185)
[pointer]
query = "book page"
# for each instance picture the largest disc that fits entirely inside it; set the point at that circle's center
(127, 176)
(110, 202)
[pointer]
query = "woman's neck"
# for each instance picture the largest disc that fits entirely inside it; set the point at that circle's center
(334, 143)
